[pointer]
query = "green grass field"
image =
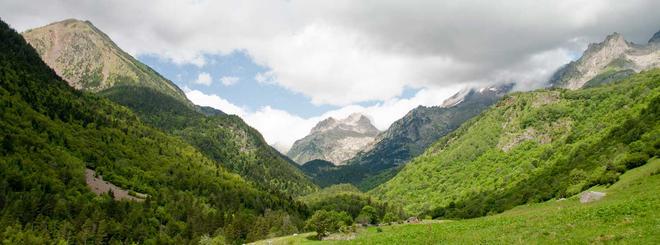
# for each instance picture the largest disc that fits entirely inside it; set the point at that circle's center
(630, 213)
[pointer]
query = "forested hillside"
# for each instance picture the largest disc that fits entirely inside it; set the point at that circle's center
(74, 47)
(50, 133)
(223, 138)
(534, 146)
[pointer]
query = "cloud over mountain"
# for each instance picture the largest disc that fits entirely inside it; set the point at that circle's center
(343, 52)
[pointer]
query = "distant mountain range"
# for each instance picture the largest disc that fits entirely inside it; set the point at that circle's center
(334, 140)
(407, 138)
(544, 144)
(87, 58)
(611, 60)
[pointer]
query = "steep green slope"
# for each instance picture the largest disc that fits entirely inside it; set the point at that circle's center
(75, 48)
(407, 138)
(223, 138)
(626, 215)
(50, 133)
(532, 147)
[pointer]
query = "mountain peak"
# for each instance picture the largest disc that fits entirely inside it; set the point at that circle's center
(613, 43)
(89, 60)
(605, 61)
(335, 140)
(655, 38)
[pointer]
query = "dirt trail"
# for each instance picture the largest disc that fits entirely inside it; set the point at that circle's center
(99, 186)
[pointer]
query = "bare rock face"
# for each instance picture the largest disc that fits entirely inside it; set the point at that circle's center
(591, 196)
(612, 59)
(334, 140)
(89, 60)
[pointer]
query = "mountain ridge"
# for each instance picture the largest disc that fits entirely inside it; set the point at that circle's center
(610, 60)
(406, 138)
(89, 60)
(51, 133)
(226, 139)
(533, 146)
(334, 140)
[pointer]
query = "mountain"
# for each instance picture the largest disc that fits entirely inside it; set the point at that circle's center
(90, 61)
(655, 39)
(334, 140)
(611, 60)
(407, 138)
(534, 146)
(74, 46)
(51, 134)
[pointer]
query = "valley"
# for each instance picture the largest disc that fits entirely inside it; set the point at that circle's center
(292, 123)
(626, 215)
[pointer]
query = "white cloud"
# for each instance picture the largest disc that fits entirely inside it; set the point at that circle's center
(204, 78)
(281, 128)
(214, 101)
(342, 52)
(228, 81)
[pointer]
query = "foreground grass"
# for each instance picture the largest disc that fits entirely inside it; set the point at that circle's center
(630, 213)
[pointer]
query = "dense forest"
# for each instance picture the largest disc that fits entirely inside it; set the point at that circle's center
(224, 138)
(532, 147)
(51, 133)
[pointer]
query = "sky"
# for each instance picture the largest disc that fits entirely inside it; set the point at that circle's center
(285, 65)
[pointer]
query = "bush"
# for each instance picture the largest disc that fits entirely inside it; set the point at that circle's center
(634, 160)
(390, 218)
(368, 215)
(325, 222)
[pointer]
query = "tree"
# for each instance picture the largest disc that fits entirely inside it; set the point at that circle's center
(325, 222)
(368, 215)
(390, 217)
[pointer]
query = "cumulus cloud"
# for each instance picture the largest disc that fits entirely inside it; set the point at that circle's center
(281, 128)
(214, 101)
(203, 78)
(228, 80)
(342, 52)
(345, 52)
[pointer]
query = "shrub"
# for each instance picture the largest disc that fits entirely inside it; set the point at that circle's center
(325, 222)
(390, 218)
(368, 215)
(634, 160)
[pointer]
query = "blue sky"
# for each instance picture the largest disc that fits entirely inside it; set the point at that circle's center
(333, 58)
(246, 92)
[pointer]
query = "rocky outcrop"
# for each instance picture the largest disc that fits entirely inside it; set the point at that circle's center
(611, 60)
(334, 140)
(591, 196)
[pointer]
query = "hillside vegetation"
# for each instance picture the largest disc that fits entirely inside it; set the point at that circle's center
(90, 61)
(224, 138)
(348, 198)
(627, 215)
(532, 147)
(49, 134)
(407, 138)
